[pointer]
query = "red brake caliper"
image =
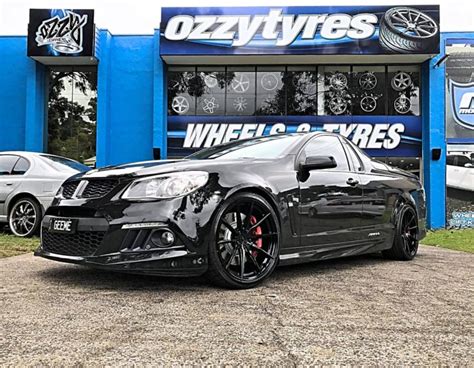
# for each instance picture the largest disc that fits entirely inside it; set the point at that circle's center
(256, 231)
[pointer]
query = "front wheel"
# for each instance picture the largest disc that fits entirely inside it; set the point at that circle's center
(245, 242)
(25, 217)
(405, 243)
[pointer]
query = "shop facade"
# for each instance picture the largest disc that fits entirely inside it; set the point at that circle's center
(210, 75)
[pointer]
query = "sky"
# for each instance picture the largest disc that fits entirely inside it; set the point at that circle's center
(141, 17)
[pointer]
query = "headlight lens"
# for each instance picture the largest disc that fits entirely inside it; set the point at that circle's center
(166, 185)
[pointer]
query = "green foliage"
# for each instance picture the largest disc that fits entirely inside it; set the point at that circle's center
(460, 239)
(71, 125)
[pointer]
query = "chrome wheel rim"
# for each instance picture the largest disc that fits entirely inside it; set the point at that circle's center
(402, 105)
(337, 105)
(368, 104)
(338, 81)
(368, 81)
(401, 81)
(413, 23)
(247, 241)
(23, 218)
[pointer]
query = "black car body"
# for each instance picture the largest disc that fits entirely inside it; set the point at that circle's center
(323, 197)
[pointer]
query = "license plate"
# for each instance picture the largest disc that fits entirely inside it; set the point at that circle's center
(63, 225)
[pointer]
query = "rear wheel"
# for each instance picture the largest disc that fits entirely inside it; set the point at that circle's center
(25, 217)
(245, 246)
(405, 243)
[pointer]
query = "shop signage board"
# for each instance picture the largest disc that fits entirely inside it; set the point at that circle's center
(61, 33)
(325, 30)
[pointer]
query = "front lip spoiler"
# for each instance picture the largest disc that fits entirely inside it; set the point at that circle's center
(59, 257)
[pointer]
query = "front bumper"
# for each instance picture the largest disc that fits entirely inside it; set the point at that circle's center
(119, 237)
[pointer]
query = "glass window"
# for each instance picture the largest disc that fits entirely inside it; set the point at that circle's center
(21, 166)
(368, 90)
(333, 91)
(72, 112)
(354, 157)
(327, 145)
(403, 90)
(6, 164)
(271, 92)
(301, 90)
(183, 86)
(240, 99)
(264, 147)
(211, 94)
(61, 163)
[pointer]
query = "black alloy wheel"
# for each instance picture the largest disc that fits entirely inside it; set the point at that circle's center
(405, 244)
(245, 244)
(25, 217)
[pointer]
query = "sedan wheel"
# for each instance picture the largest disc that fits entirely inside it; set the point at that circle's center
(405, 244)
(245, 244)
(24, 218)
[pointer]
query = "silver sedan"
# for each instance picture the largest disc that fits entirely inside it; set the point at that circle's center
(28, 184)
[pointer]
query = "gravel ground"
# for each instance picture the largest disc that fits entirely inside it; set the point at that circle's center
(357, 311)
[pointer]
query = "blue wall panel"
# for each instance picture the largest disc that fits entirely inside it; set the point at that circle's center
(13, 76)
(127, 105)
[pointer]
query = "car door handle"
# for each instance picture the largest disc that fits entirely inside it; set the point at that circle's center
(352, 181)
(8, 184)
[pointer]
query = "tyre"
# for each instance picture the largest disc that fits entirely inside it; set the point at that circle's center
(24, 217)
(245, 242)
(407, 30)
(405, 242)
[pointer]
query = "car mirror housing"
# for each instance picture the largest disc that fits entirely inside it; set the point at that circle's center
(318, 163)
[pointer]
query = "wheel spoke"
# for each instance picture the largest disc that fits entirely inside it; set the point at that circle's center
(263, 251)
(249, 215)
(259, 222)
(239, 220)
(254, 260)
(232, 256)
(229, 226)
(220, 242)
(263, 236)
(242, 262)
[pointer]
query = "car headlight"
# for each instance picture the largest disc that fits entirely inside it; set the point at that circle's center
(167, 185)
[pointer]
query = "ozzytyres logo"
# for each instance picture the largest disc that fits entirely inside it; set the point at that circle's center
(282, 28)
(462, 103)
(63, 34)
(372, 136)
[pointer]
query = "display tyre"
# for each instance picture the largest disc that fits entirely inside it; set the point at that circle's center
(405, 242)
(25, 217)
(245, 242)
(407, 30)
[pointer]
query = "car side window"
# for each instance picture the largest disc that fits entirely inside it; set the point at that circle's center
(7, 162)
(21, 166)
(354, 157)
(327, 145)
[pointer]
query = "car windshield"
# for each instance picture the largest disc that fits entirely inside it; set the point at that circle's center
(263, 147)
(61, 163)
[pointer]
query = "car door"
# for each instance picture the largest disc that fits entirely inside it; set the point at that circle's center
(7, 182)
(330, 203)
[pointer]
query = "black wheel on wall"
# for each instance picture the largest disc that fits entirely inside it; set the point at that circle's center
(405, 242)
(245, 245)
(406, 30)
(24, 217)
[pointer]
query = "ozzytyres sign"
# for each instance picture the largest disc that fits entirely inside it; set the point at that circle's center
(377, 135)
(300, 30)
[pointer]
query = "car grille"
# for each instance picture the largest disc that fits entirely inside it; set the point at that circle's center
(79, 244)
(69, 189)
(98, 188)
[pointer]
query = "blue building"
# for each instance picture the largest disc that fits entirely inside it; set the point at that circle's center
(209, 75)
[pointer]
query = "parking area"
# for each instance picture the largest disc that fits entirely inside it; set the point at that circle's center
(363, 310)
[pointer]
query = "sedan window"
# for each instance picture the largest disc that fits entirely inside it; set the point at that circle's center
(21, 166)
(327, 145)
(7, 162)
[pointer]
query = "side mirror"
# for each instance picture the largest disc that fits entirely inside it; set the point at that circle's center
(468, 165)
(318, 163)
